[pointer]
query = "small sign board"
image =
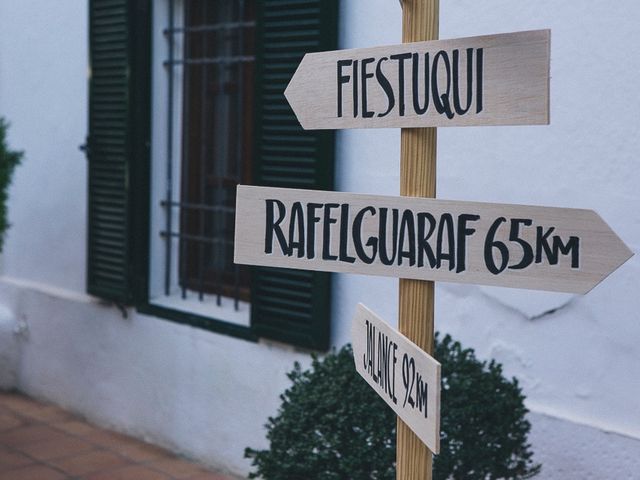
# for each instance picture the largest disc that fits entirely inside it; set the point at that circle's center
(407, 378)
(489, 80)
(542, 248)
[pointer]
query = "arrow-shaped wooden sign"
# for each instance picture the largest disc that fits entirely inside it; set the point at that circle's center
(543, 248)
(407, 378)
(490, 80)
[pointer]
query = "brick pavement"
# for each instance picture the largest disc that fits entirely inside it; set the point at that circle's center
(39, 441)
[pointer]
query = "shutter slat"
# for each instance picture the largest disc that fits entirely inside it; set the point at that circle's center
(291, 305)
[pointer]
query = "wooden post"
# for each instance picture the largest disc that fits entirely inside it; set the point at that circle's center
(417, 179)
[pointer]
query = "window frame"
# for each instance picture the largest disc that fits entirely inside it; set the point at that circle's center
(142, 24)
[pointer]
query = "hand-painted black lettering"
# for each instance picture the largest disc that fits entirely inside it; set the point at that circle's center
(572, 246)
(344, 234)
(312, 219)
(395, 361)
(380, 369)
(456, 81)
(273, 227)
(479, 83)
(441, 100)
(386, 87)
(446, 106)
(355, 89)
(367, 355)
(421, 395)
(408, 233)
(365, 75)
(490, 244)
(409, 375)
(463, 233)
(401, 57)
(527, 250)
(296, 226)
(542, 244)
(446, 226)
(405, 378)
(342, 79)
(356, 233)
(415, 81)
(412, 364)
(372, 361)
(382, 237)
(388, 384)
(326, 231)
(423, 239)
(557, 247)
(384, 345)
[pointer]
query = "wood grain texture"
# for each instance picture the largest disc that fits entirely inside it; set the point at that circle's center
(401, 373)
(416, 298)
(517, 246)
(374, 87)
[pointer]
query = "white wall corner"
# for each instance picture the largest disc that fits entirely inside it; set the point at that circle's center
(10, 332)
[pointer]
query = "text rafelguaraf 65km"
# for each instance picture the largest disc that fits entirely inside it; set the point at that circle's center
(568, 250)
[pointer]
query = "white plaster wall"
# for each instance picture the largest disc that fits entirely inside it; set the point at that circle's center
(180, 386)
(570, 451)
(43, 94)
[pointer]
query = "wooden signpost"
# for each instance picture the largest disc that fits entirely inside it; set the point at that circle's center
(489, 80)
(417, 86)
(543, 248)
(407, 378)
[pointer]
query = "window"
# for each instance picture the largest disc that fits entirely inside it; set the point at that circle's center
(185, 103)
(203, 82)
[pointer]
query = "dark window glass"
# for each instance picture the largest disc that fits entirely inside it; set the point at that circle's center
(217, 137)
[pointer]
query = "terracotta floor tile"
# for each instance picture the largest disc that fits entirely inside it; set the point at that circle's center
(136, 472)
(47, 413)
(107, 438)
(210, 476)
(75, 427)
(57, 448)
(17, 402)
(142, 452)
(9, 421)
(29, 434)
(177, 467)
(33, 472)
(128, 447)
(36, 410)
(10, 459)
(90, 462)
(43, 442)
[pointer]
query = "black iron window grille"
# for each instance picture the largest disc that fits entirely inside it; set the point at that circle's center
(210, 71)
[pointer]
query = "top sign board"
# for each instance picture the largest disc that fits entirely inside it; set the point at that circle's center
(490, 80)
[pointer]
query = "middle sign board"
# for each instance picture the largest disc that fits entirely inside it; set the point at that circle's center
(489, 80)
(543, 248)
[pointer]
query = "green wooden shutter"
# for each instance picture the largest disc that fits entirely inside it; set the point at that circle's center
(117, 144)
(108, 250)
(291, 305)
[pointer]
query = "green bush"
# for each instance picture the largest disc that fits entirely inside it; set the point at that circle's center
(332, 425)
(8, 161)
